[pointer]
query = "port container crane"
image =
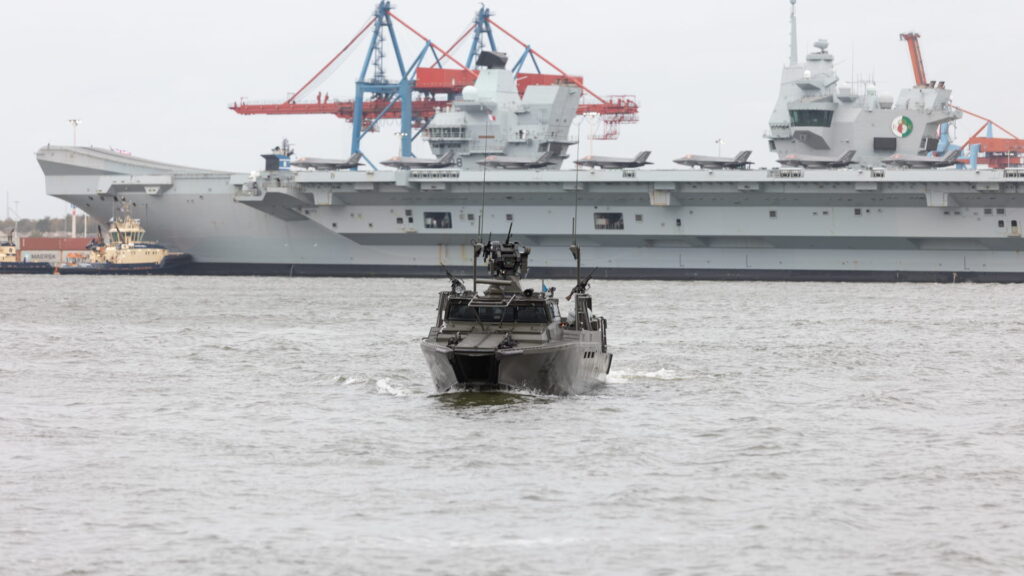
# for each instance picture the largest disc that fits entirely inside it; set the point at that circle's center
(423, 89)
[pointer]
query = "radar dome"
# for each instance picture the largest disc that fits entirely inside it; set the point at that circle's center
(821, 44)
(469, 93)
(807, 74)
(872, 89)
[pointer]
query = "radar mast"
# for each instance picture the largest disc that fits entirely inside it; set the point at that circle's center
(792, 34)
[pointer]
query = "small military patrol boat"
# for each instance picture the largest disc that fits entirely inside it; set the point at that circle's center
(10, 264)
(511, 338)
(126, 252)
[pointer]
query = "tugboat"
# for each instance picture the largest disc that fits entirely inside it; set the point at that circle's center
(513, 339)
(9, 263)
(127, 253)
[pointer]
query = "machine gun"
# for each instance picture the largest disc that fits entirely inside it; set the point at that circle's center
(506, 259)
(581, 286)
(458, 287)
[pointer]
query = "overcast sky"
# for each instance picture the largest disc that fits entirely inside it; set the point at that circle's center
(155, 79)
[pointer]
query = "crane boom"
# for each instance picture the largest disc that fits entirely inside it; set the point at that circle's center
(915, 57)
(424, 90)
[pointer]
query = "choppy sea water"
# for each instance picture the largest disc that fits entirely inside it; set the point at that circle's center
(288, 426)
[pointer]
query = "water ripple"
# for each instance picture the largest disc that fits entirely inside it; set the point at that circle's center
(269, 426)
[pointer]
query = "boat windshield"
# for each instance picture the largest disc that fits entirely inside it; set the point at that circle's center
(531, 314)
(495, 314)
(461, 311)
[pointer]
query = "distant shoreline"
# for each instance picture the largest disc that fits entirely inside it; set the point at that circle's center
(53, 227)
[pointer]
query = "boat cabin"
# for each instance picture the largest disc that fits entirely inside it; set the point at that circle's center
(126, 231)
(8, 251)
(511, 311)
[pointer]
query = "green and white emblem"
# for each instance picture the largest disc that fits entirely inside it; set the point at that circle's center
(902, 126)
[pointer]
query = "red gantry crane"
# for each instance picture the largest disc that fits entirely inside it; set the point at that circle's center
(423, 90)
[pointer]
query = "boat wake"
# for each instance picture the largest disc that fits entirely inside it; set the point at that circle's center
(387, 386)
(629, 376)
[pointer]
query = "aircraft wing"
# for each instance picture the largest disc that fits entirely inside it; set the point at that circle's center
(324, 163)
(411, 162)
(696, 160)
(606, 162)
(813, 161)
(901, 160)
(615, 162)
(518, 163)
(794, 160)
(400, 162)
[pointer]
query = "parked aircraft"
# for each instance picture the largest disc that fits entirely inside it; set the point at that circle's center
(808, 161)
(328, 163)
(613, 162)
(402, 162)
(715, 162)
(903, 161)
(509, 162)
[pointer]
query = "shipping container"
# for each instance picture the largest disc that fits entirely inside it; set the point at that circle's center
(58, 244)
(50, 256)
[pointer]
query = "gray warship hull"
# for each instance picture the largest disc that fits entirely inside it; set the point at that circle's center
(781, 224)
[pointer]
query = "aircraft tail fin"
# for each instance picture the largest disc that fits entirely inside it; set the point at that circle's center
(355, 158)
(742, 157)
(848, 157)
(642, 157)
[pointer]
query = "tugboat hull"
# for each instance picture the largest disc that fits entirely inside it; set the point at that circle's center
(26, 268)
(560, 369)
(169, 265)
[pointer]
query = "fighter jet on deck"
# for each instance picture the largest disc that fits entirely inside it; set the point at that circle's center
(402, 162)
(613, 162)
(328, 163)
(714, 162)
(512, 163)
(902, 161)
(808, 161)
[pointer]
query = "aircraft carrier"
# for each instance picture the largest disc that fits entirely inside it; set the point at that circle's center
(866, 190)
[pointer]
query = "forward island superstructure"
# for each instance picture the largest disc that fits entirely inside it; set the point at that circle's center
(875, 219)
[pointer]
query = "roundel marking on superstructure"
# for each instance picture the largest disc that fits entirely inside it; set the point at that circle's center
(902, 126)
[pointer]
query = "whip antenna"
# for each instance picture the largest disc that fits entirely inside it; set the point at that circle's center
(477, 247)
(575, 247)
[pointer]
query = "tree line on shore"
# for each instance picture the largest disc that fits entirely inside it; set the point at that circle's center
(44, 226)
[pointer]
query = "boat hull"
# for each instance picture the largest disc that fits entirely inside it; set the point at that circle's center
(171, 264)
(26, 268)
(558, 369)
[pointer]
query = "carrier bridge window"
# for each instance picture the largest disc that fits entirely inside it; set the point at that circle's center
(437, 219)
(822, 118)
(608, 221)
